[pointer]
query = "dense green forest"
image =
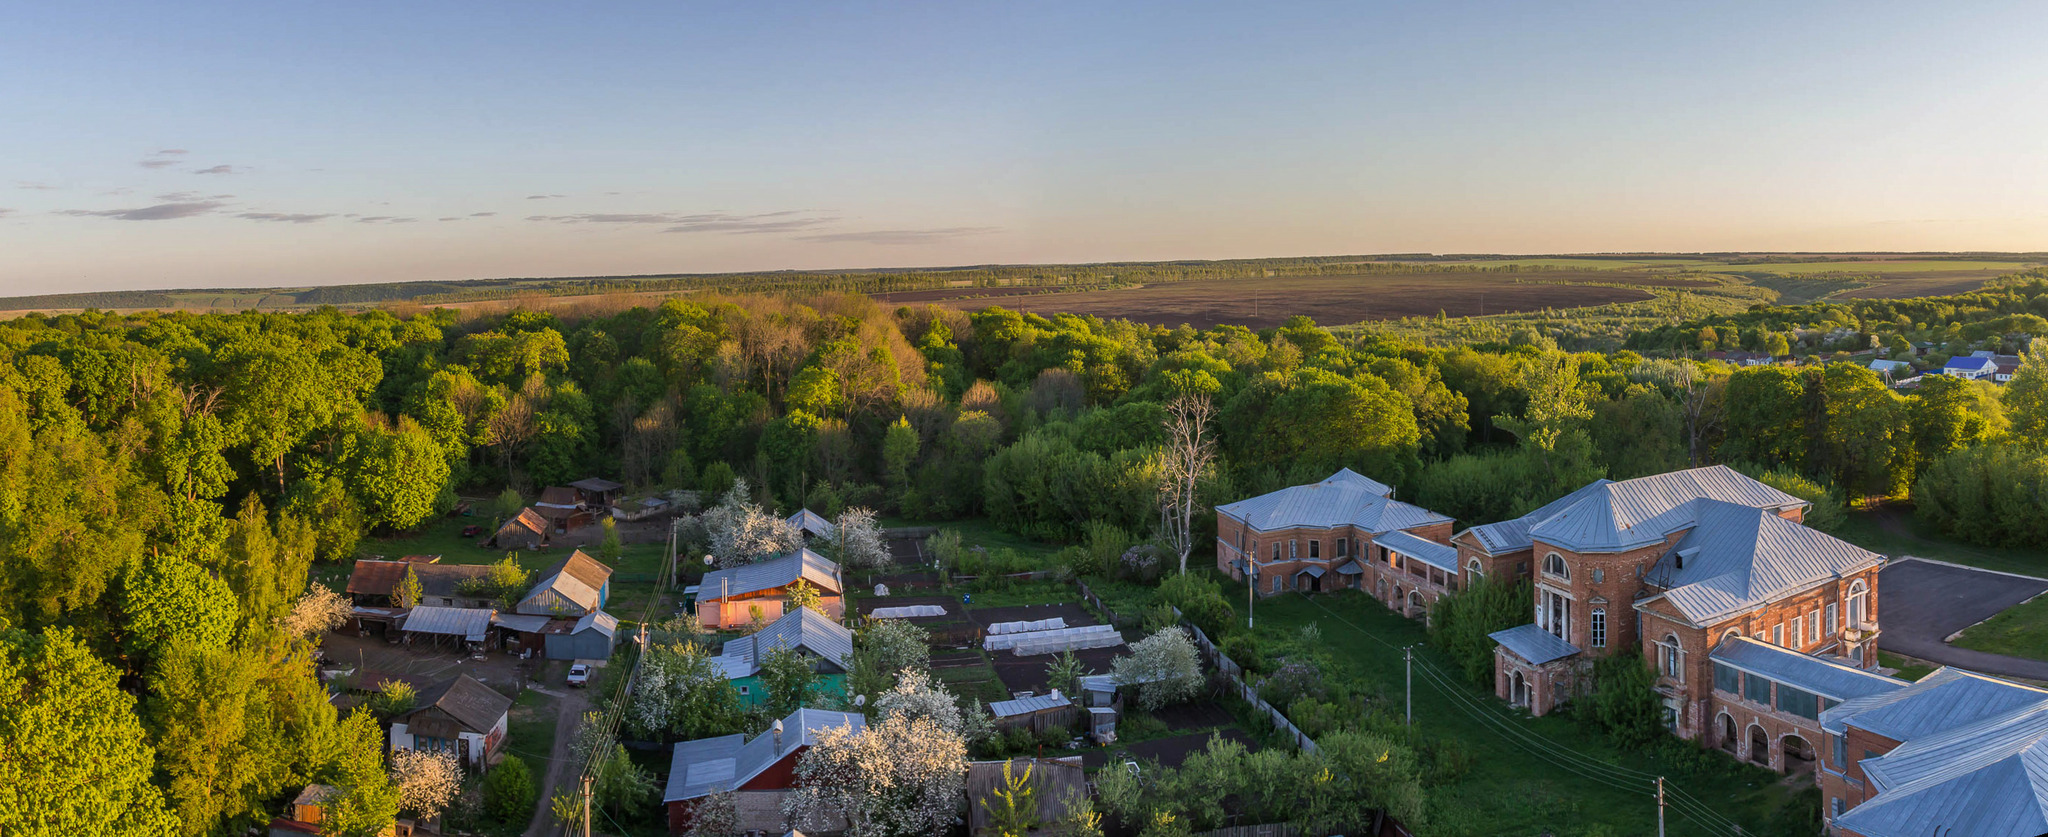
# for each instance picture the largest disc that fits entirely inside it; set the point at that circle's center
(167, 480)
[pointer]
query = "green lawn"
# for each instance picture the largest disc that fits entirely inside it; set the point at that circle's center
(979, 532)
(1908, 668)
(2019, 631)
(1894, 531)
(1518, 783)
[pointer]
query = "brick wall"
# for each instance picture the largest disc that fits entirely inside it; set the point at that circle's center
(1619, 582)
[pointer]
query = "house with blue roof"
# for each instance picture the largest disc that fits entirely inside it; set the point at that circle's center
(1974, 367)
(827, 644)
(1954, 753)
(1699, 571)
(1344, 533)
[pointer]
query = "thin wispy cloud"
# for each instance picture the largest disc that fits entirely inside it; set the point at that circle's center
(162, 159)
(187, 197)
(170, 152)
(384, 219)
(482, 214)
(222, 169)
(30, 184)
(788, 220)
(286, 217)
(159, 212)
(6, 212)
(544, 197)
(900, 236)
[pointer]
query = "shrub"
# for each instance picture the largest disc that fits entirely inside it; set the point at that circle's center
(1244, 649)
(1461, 623)
(508, 790)
(1624, 701)
(1201, 601)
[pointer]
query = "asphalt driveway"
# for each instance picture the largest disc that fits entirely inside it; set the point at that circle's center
(1920, 603)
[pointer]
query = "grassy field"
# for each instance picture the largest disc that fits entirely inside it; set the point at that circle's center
(1261, 303)
(1874, 266)
(1895, 532)
(1585, 264)
(1520, 780)
(2019, 631)
(634, 571)
(1908, 668)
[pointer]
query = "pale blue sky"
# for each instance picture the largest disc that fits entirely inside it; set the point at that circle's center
(322, 143)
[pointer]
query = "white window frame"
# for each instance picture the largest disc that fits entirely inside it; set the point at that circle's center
(1798, 632)
(1834, 613)
(1342, 551)
(1813, 627)
(1599, 626)
(1474, 568)
(1563, 571)
(1859, 602)
(1293, 549)
(1778, 635)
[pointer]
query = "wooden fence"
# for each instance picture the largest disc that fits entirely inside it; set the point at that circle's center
(1095, 601)
(1271, 830)
(1235, 673)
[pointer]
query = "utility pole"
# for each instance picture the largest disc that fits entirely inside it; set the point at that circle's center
(1660, 806)
(1408, 657)
(586, 808)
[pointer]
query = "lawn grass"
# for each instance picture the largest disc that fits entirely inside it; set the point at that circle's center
(2017, 631)
(1895, 532)
(979, 532)
(530, 734)
(1514, 785)
(634, 571)
(1908, 669)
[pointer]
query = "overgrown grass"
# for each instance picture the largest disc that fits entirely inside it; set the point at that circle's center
(1522, 784)
(980, 532)
(1896, 532)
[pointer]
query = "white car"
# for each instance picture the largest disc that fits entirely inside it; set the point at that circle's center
(579, 675)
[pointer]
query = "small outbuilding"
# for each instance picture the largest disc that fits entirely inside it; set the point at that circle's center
(526, 530)
(575, 586)
(590, 637)
(762, 769)
(813, 525)
(1037, 713)
(733, 596)
(467, 628)
(827, 643)
(596, 492)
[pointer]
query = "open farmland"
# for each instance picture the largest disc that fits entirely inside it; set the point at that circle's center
(1259, 303)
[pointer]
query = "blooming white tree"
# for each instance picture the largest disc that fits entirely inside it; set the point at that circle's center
(742, 533)
(318, 611)
(679, 691)
(903, 776)
(916, 696)
(426, 781)
(1165, 668)
(857, 540)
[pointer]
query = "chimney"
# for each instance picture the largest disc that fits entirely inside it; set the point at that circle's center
(777, 728)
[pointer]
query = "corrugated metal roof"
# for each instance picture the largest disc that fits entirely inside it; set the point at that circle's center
(1533, 644)
(1634, 513)
(605, 623)
(520, 622)
(1971, 364)
(1345, 499)
(576, 583)
(1984, 778)
(1432, 553)
(596, 484)
(468, 622)
(810, 522)
(1351, 568)
(1511, 535)
(1029, 705)
(700, 767)
(802, 628)
(771, 574)
(1737, 557)
(1829, 679)
(1948, 698)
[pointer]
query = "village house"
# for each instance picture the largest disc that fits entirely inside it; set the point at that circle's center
(2004, 367)
(1344, 533)
(759, 773)
(827, 643)
(1674, 565)
(574, 587)
(371, 582)
(1955, 753)
(461, 716)
(738, 596)
(813, 526)
(563, 509)
(1973, 367)
(308, 811)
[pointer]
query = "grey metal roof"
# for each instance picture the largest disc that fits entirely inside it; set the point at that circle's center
(1737, 557)
(1635, 513)
(1345, 499)
(468, 622)
(705, 765)
(1987, 778)
(812, 523)
(520, 622)
(771, 574)
(1026, 706)
(1533, 644)
(1351, 568)
(1511, 535)
(605, 623)
(1429, 552)
(1829, 679)
(1948, 698)
(1312, 571)
(802, 628)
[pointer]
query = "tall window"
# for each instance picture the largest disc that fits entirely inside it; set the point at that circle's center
(1778, 635)
(1276, 584)
(1671, 658)
(1553, 564)
(1832, 615)
(1315, 549)
(1293, 548)
(1276, 550)
(1798, 630)
(1859, 604)
(1341, 543)
(1599, 624)
(1813, 627)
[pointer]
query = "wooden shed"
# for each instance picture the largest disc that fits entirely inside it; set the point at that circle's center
(526, 530)
(1037, 713)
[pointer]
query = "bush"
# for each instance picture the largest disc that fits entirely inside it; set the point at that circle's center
(1055, 738)
(1244, 649)
(1461, 623)
(1624, 702)
(1018, 740)
(508, 790)
(1201, 601)
(1296, 678)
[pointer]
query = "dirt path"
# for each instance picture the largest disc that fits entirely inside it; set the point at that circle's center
(561, 774)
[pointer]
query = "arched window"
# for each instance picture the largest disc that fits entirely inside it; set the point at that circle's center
(1671, 658)
(1731, 634)
(1474, 568)
(1859, 604)
(1553, 564)
(1599, 624)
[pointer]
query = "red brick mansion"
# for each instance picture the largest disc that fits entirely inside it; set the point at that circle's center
(1754, 622)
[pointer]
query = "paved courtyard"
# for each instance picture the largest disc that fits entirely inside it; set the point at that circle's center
(1921, 603)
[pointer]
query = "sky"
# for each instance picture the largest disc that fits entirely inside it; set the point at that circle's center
(145, 145)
